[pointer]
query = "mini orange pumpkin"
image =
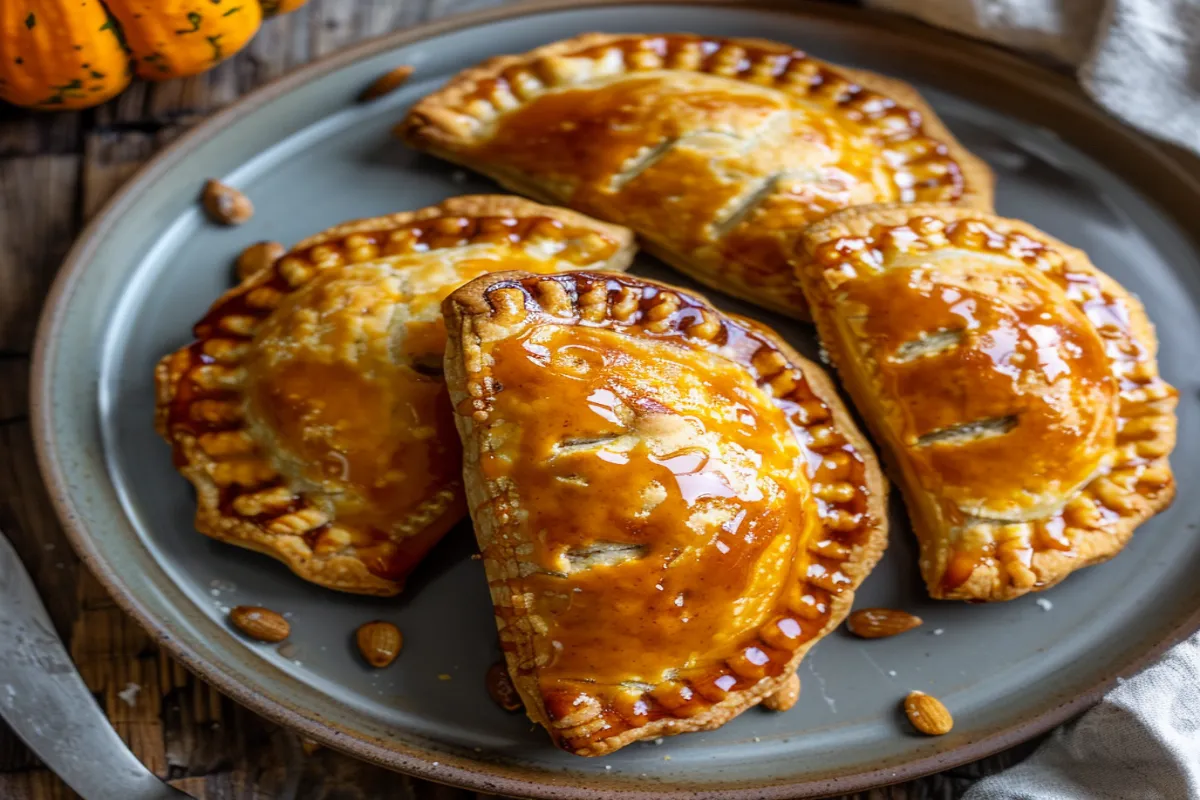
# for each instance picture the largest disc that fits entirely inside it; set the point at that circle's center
(78, 53)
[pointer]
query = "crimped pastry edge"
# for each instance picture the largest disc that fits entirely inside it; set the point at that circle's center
(462, 309)
(433, 125)
(340, 572)
(1051, 566)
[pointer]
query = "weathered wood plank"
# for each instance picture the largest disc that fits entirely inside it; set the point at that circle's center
(14, 388)
(39, 198)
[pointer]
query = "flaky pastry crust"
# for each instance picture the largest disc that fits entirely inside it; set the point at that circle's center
(311, 415)
(716, 151)
(672, 504)
(1012, 385)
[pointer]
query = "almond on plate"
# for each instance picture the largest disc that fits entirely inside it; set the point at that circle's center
(927, 714)
(876, 623)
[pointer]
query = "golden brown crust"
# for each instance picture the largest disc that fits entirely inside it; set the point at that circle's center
(594, 693)
(310, 414)
(1034, 381)
(716, 151)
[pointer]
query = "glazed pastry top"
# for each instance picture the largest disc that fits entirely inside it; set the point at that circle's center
(715, 149)
(1014, 383)
(670, 513)
(313, 396)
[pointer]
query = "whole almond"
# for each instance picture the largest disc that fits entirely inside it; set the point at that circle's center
(785, 696)
(257, 257)
(876, 623)
(385, 83)
(927, 714)
(501, 688)
(226, 204)
(260, 623)
(379, 642)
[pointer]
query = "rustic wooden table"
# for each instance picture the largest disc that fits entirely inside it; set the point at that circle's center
(56, 171)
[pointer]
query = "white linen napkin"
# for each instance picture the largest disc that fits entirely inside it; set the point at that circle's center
(1142, 742)
(1139, 59)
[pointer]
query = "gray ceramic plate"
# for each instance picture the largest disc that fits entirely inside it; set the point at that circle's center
(309, 157)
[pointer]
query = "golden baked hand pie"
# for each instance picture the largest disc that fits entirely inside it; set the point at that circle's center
(1012, 384)
(716, 151)
(672, 505)
(310, 413)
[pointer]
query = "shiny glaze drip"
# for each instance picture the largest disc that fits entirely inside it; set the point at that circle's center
(318, 398)
(660, 459)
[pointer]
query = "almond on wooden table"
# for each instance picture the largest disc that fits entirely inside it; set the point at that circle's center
(379, 642)
(260, 623)
(876, 623)
(927, 714)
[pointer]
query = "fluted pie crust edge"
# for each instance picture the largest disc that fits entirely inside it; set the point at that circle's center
(500, 305)
(241, 496)
(1098, 520)
(454, 120)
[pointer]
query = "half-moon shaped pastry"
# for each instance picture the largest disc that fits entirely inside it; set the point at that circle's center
(1012, 385)
(672, 505)
(715, 151)
(311, 414)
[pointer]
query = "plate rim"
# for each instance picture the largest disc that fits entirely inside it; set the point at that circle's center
(479, 774)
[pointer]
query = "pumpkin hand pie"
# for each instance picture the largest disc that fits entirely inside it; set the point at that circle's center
(1012, 385)
(715, 151)
(672, 505)
(311, 414)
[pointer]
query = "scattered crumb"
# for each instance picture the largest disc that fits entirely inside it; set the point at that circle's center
(458, 176)
(444, 677)
(666, 758)
(823, 354)
(215, 592)
(287, 615)
(608, 766)
(287, 650)
(1045, 604)
(129, 694)
(892, 672)
(757, 739)
(659, 740)
(938, 631)
(435, 763)
(476, 557)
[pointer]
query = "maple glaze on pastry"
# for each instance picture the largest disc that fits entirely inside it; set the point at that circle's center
(672, 505)
(1012, 383)
(311, 414)
(716, 151)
